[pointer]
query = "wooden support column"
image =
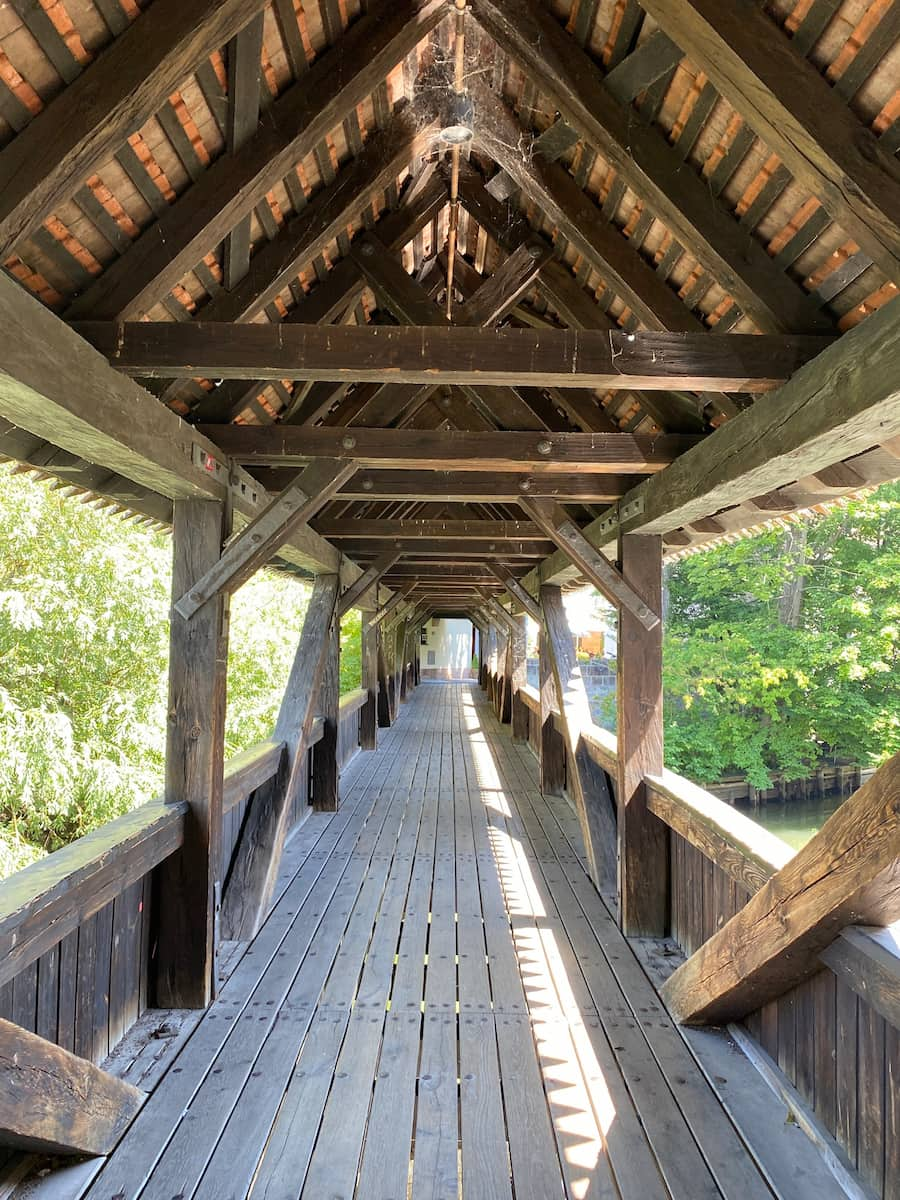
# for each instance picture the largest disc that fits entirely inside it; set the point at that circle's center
(385, 719)
(643, 838)
(257, 856)
(325, 773)
(553, 747)
(506, 698)
(368, 714)
(56, 1103)
(519, 680)
(404, 663)
(186, 884)
(588, 784)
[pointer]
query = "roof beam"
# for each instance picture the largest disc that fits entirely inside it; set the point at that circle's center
(465, 547)
(451, 450)
(370, 576)
(296, 122)
(53, 384)
(560, 527)
(429, 530)
(82, 127)
(474, 486)
(258, 542)
(798, 114)
(450, 354)
(530, 33)
(840, 404)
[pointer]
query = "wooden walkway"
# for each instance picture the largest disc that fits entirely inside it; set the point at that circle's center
(439, 1005)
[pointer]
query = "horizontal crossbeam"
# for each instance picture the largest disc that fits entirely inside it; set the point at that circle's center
(452, 355)
(454, 450)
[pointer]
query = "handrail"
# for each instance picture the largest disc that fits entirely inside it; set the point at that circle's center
(353, 702)
(249, 770)
(738, 845)
(42, 903)
(530, 697)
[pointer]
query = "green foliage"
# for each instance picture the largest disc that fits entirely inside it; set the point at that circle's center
(784, 649)
(351, 651)
(84, 603)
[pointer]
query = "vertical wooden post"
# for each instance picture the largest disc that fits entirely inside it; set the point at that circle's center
(325, 771)
(643, 838)
(404, 660)
(506, 698)
(368, 714)
(553, 748)
(257, 856)
(185, 885)
(588, 783)
(384, 707)
(519, 680)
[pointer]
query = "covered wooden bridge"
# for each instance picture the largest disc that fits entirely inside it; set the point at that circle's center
(449, 307)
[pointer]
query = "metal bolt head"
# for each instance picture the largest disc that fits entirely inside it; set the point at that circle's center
(367, 249)
(367, 485)
(524, 485)
(348, 442)
(545, 447)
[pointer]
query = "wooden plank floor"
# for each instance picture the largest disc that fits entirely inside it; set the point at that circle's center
(439, 1005)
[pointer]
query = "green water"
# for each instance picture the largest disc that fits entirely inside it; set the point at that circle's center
(796, 820)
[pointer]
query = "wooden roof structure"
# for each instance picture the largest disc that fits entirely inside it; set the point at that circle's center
(242, 206)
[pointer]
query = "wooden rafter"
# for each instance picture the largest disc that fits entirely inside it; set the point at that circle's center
(84, 125)
(799, 114)
(295, 124)
(529, 32)
(454, 355)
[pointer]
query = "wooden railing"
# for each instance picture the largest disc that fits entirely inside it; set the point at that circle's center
(75, 926)
(834, 1038)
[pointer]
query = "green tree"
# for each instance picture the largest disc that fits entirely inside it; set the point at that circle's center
(84, 604)
(784, 648)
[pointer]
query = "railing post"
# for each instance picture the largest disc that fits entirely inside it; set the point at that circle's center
(519, 680)
(553, 750)
(383, 703)
(506, 694)
(368, 714)
(185, 885)
(643, 838)
(325, 773)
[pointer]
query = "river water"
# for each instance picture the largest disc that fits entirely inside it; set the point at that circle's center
(795, 821)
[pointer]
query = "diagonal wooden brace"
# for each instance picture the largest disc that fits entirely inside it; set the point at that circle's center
(367, 580)
(516, 590)
(259, 541)
(395, 601)
(560, 528)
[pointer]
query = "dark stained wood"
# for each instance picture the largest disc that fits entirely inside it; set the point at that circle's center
(186, 883)
(56, 387)
(385, 716)
(458, 549)
(256, 544)
(643, 838)
(295, 124)
(846, 874)
(518, 680)
(368, 717)
(53, 1101)
(366, 581)
(257, 856)
(554, 519)
(428, 529)
(799, 114)
(455, 355)
(499, 294)
(654, 169)
(588, 784)
(249, 770)
(869, 968)
(840, 405)
(324, 780)
(47, 901)
(518, 593)
(243, 58)
(65, 143)
(307, 234)
(483, 486)
(460, 451)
